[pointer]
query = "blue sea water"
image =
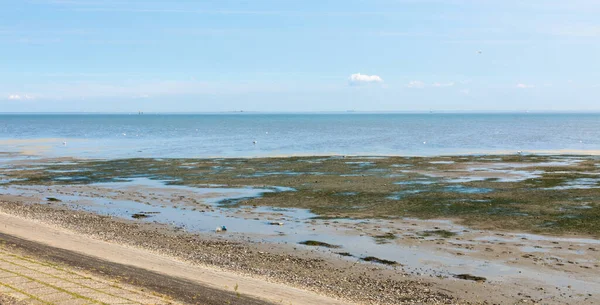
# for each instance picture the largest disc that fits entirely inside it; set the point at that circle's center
(232, 135)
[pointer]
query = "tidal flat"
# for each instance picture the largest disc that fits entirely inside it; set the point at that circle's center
(526, 193)
(517, 222)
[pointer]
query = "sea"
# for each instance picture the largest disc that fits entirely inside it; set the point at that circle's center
(110, 136)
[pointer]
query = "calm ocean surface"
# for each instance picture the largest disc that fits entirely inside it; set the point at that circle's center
(232, 135)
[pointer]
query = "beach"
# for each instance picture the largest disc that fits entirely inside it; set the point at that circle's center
(277, 152)
(365, 230)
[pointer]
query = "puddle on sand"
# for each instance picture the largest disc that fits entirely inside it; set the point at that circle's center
(72, 178)
(466, 179)
(360, 163)
(531, 249)
(504, 175)
(346, 194)
(400, 195)
(515, 238)
(467, 190)
(266, 174)
(66, 171)
(579, 183)
(441, 162)
(4, 180)
(413, 182)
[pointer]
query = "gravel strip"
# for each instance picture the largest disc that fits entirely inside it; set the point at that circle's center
(359, 283)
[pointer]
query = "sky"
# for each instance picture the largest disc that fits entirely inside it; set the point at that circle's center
(293, 55)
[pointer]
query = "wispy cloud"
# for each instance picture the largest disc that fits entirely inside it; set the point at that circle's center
(402, 34)
(151, 89)
(576, 30)
(416, 84)
(449, 84)
(187, 8)
(361, 79)
(524, 86)
(19, 97)
(38, 36)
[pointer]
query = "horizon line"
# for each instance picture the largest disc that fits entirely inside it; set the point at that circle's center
(310, 112)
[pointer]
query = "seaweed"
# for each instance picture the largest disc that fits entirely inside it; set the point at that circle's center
(377, 260)
(314, 243)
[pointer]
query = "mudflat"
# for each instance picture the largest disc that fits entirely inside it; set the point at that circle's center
(380, 230)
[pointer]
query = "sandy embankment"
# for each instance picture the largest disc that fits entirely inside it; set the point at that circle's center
(220, 279)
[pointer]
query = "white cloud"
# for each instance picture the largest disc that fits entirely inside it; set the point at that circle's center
(577, 30)
(524, 86)
(465, 91)
(416, 84)
(19, 97)
(450, 84)
(359, 79)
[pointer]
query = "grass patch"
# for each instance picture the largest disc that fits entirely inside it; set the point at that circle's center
(52, 199)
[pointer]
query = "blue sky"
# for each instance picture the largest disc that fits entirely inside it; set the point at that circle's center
(310, 55)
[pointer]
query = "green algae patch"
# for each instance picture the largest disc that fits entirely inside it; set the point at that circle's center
(377, 260)
(525, 193)
(314, 243)
(470, 277)
(385, 238)
(440, 233)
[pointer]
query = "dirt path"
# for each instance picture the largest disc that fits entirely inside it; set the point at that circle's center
(192, 284)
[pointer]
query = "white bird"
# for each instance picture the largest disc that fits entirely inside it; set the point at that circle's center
(479, 52)
(64, 143)
(254, 142)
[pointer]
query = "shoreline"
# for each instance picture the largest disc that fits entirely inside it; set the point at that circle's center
(543, 153)
(226, 256)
